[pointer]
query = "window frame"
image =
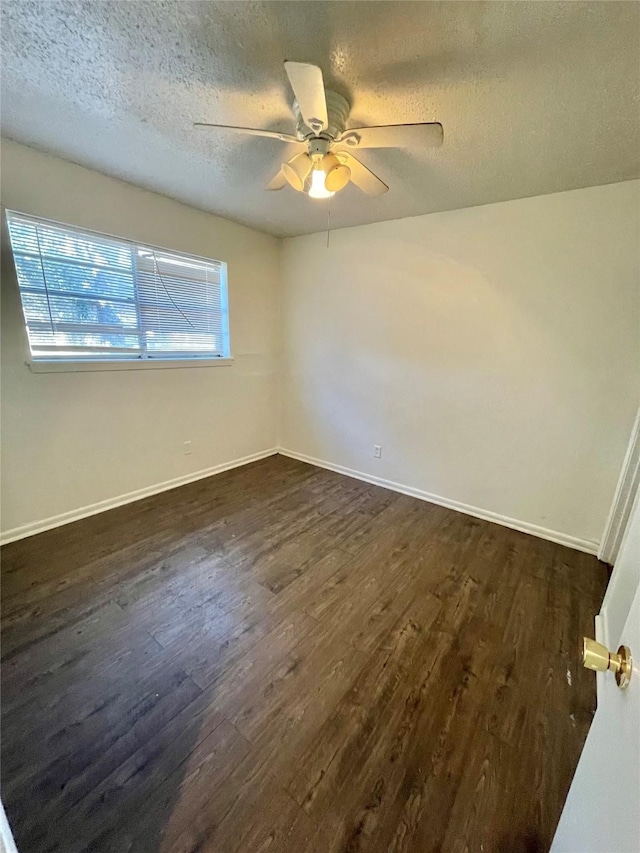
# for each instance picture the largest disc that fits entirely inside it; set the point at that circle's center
(123, 361)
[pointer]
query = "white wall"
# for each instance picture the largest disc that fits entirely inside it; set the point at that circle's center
(494, 353)
(74, 439)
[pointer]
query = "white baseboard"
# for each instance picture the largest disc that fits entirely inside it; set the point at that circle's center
(93, 509)
(590, 547)
(586, 545)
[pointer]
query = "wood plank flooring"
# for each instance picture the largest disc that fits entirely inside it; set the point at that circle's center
(283, 659)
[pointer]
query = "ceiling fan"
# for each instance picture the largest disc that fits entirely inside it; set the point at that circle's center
(327, 164)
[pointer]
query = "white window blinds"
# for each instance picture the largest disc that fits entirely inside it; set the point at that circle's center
(85, 295)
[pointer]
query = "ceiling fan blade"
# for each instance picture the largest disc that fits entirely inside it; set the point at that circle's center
(362, 177)
(251, 131)
(308, 87)
(425, 135)
(277, 182)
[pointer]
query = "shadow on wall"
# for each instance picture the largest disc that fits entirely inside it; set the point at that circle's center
(410, 354)
(491, 351)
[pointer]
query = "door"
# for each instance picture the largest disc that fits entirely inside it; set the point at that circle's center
(602, 811)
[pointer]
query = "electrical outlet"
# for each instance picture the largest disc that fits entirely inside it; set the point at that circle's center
(187, 448)
(377, 450)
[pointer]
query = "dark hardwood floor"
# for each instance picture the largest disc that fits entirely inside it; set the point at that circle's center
(280, 658)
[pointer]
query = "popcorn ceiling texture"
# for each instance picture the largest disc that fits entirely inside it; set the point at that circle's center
(534, 97)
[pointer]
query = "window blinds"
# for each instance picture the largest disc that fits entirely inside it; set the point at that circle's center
(85, 295)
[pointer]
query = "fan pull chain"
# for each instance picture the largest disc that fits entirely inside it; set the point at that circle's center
(328, 221)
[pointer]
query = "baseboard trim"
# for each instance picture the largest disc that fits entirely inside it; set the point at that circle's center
(31, 529)
(586, 545)
(111, 503)
(623, 498)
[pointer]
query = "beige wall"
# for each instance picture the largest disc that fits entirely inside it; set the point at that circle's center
(494, 353)
(70, 440)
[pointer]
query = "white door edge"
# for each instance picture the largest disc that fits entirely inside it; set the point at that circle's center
(622, 504)
(7, 844)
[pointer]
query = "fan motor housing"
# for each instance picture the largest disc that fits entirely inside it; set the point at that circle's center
(337, 112)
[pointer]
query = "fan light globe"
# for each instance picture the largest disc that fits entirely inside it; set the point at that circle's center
(296, 171)
(318, 188)
(337, 175)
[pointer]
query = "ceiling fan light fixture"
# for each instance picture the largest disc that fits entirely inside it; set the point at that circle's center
(318, 188)
(296, 171)
(321, 122)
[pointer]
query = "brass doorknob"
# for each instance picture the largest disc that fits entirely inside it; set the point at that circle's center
(598, 657)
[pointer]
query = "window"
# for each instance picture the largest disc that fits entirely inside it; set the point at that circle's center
(86, 296)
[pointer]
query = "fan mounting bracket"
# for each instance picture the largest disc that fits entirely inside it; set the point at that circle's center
(337, 112)
(351, 139)
(318, 146)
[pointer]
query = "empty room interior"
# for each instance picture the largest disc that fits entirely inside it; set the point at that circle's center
(320, 427)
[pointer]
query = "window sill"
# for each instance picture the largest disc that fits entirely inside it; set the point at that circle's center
(54, 366)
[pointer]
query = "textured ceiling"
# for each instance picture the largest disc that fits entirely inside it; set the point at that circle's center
(534, 97)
